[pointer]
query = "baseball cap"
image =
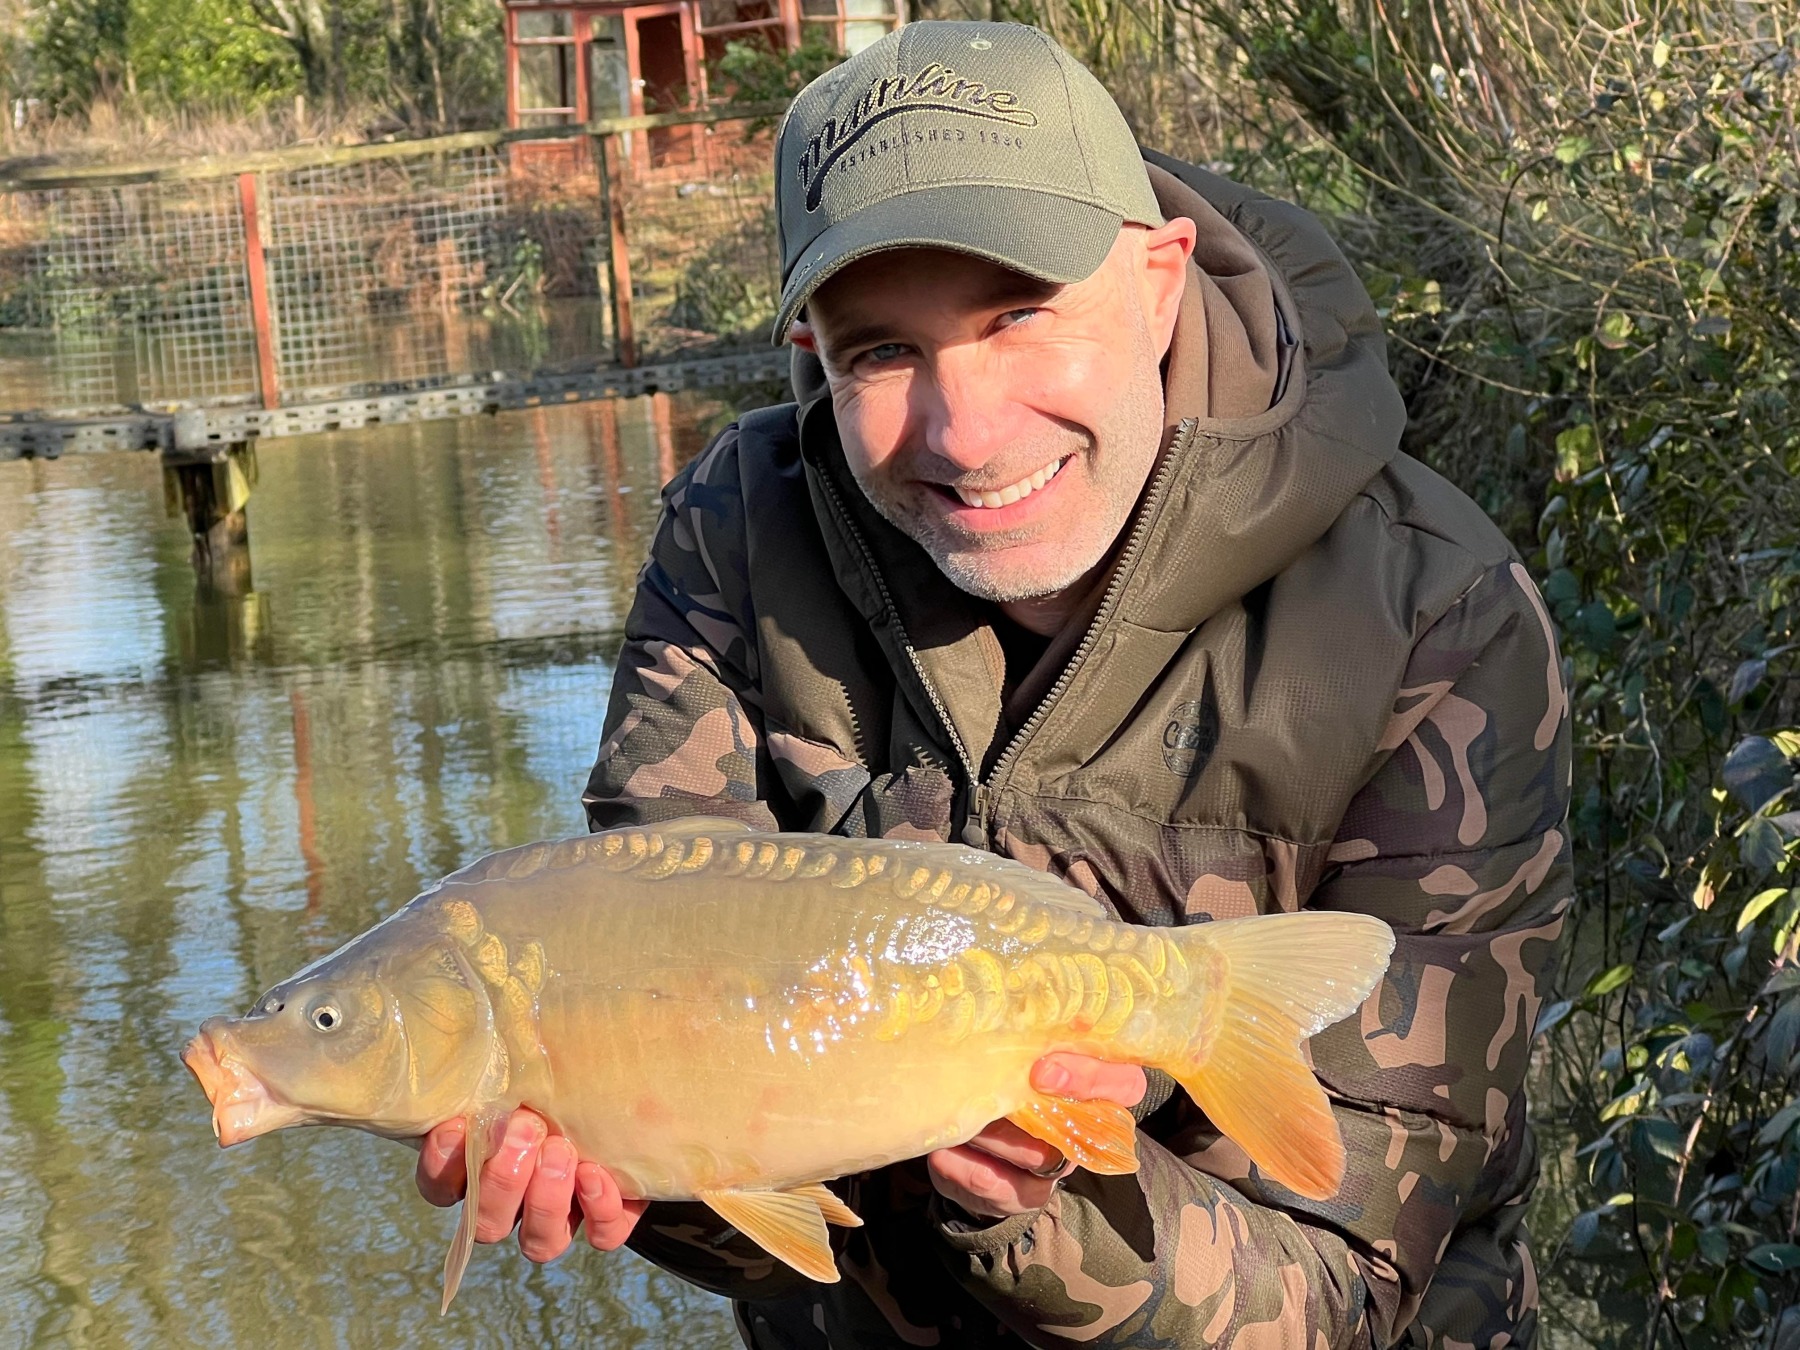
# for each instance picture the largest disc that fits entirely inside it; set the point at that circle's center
(983, 138)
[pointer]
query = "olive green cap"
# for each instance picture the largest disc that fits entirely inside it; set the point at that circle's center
(983, 138)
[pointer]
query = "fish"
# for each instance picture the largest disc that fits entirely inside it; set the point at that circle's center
(738, 1017)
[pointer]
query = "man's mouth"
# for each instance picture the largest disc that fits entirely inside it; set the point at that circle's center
(1013, 492)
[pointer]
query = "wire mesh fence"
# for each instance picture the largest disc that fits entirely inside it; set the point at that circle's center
(302, 276)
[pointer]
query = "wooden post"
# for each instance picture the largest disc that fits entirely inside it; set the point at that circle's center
(618, 258)
(257, 267)
(209, 482)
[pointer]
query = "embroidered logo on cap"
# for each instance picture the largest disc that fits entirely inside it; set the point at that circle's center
(936, 88)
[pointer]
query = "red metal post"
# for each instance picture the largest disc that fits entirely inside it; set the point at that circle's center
(257, 267)
(512, 67)
(661, 420)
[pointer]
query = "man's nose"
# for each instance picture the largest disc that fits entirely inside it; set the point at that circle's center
(969, 417)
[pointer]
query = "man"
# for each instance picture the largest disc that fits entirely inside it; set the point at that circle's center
(1088, 541)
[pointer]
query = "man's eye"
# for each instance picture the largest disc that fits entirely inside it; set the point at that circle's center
(887, 351)
(1013, 316)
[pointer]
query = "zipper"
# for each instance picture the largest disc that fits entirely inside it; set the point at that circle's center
(1115, 587)
(983, 793)
(892, 612)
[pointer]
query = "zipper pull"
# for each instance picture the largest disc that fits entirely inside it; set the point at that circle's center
(974, 830)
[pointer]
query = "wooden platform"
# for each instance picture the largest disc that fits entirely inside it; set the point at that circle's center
(30, 435)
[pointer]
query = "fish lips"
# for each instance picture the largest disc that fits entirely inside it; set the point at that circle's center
(242, 1104)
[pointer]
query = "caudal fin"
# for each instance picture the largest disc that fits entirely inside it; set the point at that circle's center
(1286, 977)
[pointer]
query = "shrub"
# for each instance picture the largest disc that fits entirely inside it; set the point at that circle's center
(1582, 225)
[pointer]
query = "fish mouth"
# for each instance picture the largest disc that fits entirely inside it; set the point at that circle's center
(243, 1107)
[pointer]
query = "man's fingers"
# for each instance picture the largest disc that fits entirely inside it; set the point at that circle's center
(610, 1216)
(984, 1185)
(440, 1173)
(505, 1176)
(1087, 1079)
(1007, 1142)
(546, 1222)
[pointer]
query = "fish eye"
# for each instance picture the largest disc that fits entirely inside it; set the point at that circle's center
(326, 1017)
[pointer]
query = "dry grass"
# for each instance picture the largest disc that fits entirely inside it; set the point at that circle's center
(116, 131)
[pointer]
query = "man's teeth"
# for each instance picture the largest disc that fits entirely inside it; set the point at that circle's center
(1006, 496)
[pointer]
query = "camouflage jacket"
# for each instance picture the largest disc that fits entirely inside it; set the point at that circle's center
(1317, 677)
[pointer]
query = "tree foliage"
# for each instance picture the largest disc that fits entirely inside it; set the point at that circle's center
(431, 63)
(1581, 222)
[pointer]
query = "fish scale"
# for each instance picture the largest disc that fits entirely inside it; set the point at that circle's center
(735, 1017)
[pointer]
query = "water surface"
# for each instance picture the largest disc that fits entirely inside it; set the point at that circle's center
(199, 794)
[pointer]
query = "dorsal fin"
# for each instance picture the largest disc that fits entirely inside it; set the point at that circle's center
(686, 827)
(549, 855)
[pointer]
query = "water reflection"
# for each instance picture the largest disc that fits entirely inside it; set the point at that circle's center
(199, 793)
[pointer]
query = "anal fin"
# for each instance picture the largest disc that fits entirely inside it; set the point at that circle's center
(789, 1225)
(834, 1209)
(1100, 1136)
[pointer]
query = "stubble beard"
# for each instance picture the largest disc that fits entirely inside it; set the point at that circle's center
(1118, 452)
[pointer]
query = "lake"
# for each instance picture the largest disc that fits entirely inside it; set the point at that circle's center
(201, 793)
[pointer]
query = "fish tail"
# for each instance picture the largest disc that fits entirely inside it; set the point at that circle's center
(1268, 983)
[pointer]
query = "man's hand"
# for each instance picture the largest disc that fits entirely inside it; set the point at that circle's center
(1004, 1171)
(534, 1180)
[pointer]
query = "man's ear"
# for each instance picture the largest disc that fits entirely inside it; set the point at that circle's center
(1167, 249)
(800, 334)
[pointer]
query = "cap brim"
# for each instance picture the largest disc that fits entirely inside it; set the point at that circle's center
(1050, 237)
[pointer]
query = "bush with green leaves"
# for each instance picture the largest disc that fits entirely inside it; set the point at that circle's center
(1581, 223)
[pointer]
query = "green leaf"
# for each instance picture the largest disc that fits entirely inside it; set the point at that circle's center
(1745, 679)
(1577, 449)
(1779, 1124)
(1551, 1015)
(1783, 1035)
(1757, 904)
(1756, 770)
(1779, 1257)
(1584, 1230)
(1715, 1246)
(1659, 54)
(1662, 1137)
(1608, 981)
(1761, 847)
(1572, 148)
(1597, 625)
(1615, 330)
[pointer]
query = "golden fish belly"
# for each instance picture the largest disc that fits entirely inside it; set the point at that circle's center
(707, 1033)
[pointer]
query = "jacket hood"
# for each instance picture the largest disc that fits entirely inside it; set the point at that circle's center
(1253, 489)
(1280, 410)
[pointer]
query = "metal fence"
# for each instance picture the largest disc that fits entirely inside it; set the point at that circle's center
(315, 273)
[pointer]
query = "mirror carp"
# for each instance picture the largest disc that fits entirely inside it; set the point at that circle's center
(738, 1017)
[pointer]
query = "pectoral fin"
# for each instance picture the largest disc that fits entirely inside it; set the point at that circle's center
(1100, 1136)
(789, 1225)
(475, 1152)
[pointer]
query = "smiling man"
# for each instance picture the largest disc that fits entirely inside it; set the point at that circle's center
(1088, 540)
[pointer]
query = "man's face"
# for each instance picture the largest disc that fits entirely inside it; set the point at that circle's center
(1007, 425)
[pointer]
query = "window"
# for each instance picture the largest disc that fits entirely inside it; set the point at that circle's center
(609, 80)
(850, 25)
(721, 22)
(545, 52)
